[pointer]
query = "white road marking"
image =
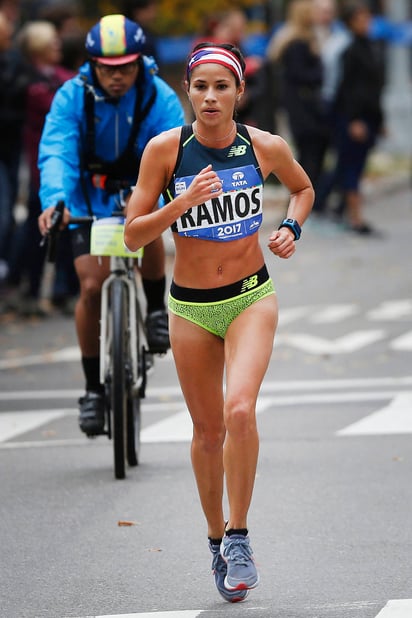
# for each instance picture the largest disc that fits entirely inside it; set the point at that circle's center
(399, 608)
(184, 613)
(402, 343)
(16, 423)
(65, 355)
(47, 442)
(175, 428)
(334, 313)
(344, 384)
(60, 356)
(31, 395)
(351, 342)
(395, 418)
(273, 386)
(347, 344)
(179, 428)
(287, 316)
(392, 310)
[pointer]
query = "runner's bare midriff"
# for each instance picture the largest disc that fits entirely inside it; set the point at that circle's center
(207, 264)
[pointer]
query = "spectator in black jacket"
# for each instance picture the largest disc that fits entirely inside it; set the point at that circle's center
(41, 48)
(359, 110)
(295, 52)
(13, 82)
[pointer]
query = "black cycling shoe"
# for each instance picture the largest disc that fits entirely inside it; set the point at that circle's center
(157, 330)
(91, 418)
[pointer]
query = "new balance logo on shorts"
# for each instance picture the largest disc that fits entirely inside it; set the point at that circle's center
(237, 151)
(249, 283)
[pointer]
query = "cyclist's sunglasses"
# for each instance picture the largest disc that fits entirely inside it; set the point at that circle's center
(108, 69)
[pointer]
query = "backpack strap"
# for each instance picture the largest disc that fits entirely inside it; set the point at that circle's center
(140, 113)
(88, 152)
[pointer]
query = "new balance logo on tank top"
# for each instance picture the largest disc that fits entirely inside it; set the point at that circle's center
(237, 212)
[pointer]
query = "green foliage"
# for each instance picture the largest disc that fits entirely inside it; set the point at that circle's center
(174, 17)
(183, 17)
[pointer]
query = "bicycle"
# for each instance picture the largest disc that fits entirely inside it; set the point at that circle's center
(124, 355)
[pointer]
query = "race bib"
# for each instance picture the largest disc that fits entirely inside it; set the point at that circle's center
(235, 214)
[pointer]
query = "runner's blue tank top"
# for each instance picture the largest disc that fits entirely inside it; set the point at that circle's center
(236, 213)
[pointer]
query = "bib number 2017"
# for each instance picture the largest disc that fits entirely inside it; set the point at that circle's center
(229, 230)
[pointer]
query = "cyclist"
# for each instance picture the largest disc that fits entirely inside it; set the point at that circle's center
(222, 301)
(93, 138)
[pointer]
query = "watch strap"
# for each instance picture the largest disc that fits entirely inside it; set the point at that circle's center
(293, 225)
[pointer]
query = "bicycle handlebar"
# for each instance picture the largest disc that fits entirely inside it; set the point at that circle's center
(54, 229)
(57, 217)
(51, 236)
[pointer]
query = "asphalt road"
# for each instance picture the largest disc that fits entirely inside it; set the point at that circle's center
(330, 523)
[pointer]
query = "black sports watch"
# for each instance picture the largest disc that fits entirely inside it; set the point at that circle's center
(293, 225)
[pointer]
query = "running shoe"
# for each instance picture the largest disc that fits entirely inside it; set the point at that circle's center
(219, 570)
(241, 570)
(91, 418)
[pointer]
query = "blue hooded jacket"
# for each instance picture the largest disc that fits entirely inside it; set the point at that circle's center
(64, 137)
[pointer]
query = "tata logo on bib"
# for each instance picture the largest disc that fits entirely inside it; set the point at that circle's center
(238, 179)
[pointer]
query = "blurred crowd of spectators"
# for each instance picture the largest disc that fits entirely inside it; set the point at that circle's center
(322, 76)
(36, 57)
(330, 76)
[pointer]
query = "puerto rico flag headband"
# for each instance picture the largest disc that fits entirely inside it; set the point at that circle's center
(217, 55)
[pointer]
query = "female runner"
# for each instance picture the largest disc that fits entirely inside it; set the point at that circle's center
(222, 303)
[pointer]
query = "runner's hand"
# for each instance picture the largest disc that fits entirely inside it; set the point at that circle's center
(203, 187)
(282, 243)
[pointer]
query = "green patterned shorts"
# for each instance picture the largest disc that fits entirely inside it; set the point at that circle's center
(215, 309)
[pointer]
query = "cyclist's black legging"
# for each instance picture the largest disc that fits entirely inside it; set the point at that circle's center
(80, 239)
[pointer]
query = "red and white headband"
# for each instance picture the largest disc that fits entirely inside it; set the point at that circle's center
(218, 55)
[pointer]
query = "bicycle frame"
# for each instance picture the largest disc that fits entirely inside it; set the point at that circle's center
(122, 343)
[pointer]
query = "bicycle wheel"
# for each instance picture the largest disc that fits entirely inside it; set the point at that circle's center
(133, 430)
(119, 381)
